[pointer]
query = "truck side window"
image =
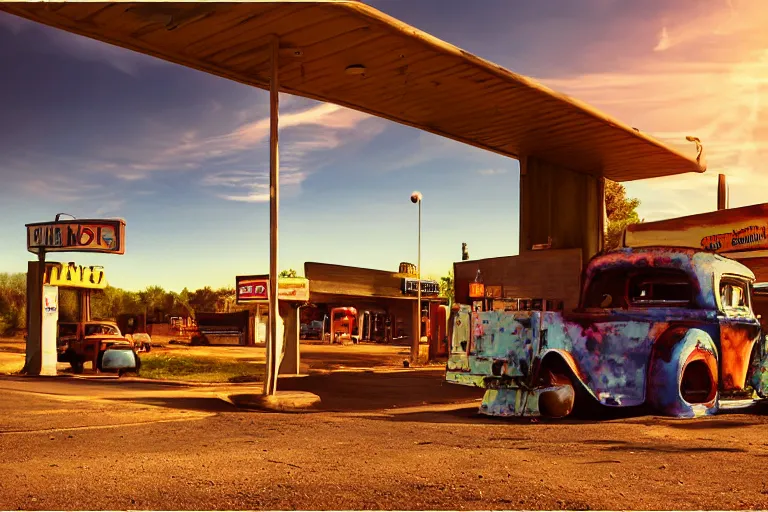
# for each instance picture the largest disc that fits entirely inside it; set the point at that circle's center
(607, 289)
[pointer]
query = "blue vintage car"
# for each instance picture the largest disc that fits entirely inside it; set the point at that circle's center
(668, 328)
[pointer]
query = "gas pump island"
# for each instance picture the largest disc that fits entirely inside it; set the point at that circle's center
(44, 279)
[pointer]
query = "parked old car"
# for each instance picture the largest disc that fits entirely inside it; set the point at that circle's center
(668, 328)
(312, 330)
(99, 342)
(142, 341)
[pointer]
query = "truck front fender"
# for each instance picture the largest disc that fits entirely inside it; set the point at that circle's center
(683, 378)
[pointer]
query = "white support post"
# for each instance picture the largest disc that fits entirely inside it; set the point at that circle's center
(273, 352)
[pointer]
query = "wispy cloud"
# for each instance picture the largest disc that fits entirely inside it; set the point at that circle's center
(664, 42)
(304, 134)
(492, 172)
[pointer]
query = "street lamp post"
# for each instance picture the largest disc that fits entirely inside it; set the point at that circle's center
(416, 198)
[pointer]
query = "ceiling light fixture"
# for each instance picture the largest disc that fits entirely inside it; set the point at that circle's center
(355, 69)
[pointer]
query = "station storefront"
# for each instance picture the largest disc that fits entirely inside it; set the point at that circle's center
(378, 306)
(342, 304)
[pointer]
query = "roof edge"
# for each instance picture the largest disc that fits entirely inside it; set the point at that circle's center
(502, 72)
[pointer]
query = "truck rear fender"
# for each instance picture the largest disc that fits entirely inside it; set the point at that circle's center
(552, 358)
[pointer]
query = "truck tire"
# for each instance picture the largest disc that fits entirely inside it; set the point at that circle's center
(77, 366)
(683, 374)
(563, 402)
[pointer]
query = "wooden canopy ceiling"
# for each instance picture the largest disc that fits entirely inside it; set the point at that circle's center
(410, 77)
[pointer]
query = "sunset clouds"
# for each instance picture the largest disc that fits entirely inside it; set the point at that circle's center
(706, 76)
(93, 130)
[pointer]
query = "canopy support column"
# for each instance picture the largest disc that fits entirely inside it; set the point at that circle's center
(273, 344)
(560, 208)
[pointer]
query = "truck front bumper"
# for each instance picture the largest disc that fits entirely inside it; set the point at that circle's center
(507, 397)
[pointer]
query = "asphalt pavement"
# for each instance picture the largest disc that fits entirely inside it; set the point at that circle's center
(381, 440)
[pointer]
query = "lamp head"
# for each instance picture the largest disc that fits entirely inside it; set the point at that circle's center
(416, 197)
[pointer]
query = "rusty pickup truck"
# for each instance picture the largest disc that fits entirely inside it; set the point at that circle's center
(666, 328)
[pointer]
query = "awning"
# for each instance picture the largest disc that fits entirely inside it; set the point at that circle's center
(350, 54)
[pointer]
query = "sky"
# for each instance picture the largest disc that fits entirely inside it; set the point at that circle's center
(93, 130)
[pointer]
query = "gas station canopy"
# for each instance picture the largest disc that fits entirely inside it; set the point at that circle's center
(350, 54)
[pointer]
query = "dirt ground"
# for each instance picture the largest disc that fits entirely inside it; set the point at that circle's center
(380, 440)
(315, 357)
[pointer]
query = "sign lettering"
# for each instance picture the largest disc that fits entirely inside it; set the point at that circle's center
(733, 230)
(750, 237)
(74, 276)
(105, 236)
(476, 290)
(410, 286)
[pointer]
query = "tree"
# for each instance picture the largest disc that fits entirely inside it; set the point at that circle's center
(204, 300)
(13, 302)
(446, 287)
(153, 298)
(621, 212)
(288, 273)
(183, 300)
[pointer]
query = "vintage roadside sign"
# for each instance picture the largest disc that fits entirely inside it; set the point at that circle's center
(476, 290)
(252, 289)
(410, 286)
(81, 235)
(293, 288)
(730, 231)
(493, 292)
(71, 275)
(255, 289)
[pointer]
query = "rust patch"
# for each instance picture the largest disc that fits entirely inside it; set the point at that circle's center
(736, 343)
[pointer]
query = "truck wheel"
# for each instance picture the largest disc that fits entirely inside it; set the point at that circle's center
(683, 375)
(560, 402)
(147, 347)
(77, 365)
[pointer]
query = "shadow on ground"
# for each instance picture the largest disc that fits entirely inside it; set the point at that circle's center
(353, 360)
(92, 383)
(470, 414)
(369, 391)
(201, 404)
